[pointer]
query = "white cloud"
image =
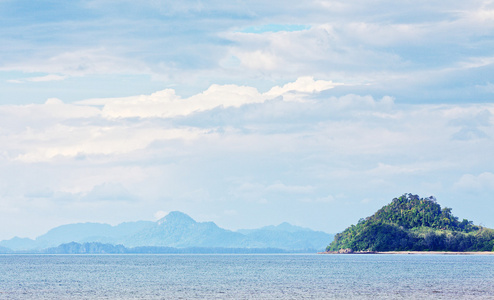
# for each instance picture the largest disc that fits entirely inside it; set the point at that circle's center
(488, 87)
(481, 182)
(346, 125)
(14, 81)
(259, 60)
(234, 148)
(109, 191)
(35, 115)
(166, 104)
(67, 141)
(302, 85)
(51, 77)
(423, 44)
(253, 121)
(80, 62)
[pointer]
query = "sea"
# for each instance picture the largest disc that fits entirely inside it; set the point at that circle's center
(249, 276)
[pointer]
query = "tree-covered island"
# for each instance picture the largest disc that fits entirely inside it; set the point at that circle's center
(411, 223)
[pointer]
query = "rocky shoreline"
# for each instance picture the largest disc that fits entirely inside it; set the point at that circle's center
(348, 251)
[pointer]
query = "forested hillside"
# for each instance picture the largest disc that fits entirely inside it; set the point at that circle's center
(410, 223)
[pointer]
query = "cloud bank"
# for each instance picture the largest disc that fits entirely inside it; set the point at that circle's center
(426, 51)
(245, 113)
(294, 150)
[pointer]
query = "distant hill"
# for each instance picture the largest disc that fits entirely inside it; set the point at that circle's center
(17, 243)
(79, 232)
(410, 223)
(179, 230)
(176, 230)
(290, 236)
(4, 250)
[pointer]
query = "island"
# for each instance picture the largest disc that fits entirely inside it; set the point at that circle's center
(410, 224)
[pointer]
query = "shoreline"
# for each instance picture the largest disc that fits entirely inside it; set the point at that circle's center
(415, 252)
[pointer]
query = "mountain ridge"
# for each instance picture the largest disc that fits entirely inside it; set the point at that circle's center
(177, 230)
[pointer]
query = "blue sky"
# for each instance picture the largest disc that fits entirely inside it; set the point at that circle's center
(245, 113)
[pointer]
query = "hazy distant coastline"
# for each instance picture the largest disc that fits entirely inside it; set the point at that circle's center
(99, 248)
(175, 233)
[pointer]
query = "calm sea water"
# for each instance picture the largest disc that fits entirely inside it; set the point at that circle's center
(246, 277)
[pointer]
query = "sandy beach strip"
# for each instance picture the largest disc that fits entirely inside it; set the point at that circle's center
(419, 252)
(439, 252)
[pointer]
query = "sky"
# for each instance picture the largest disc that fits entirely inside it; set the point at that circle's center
(244, 113)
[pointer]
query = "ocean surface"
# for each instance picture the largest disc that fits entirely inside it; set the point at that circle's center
(370, 276)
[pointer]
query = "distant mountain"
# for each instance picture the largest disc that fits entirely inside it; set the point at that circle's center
(411, 223)
(17, 243)
(4, 250)
(79, 232)
(287, 236)
(176, 230)
(283, 227)
(179, 230)
(91, 232)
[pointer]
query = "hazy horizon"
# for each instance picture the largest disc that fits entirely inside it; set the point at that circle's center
(246, 114)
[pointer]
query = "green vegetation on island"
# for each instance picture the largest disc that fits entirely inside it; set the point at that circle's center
(410, 223)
